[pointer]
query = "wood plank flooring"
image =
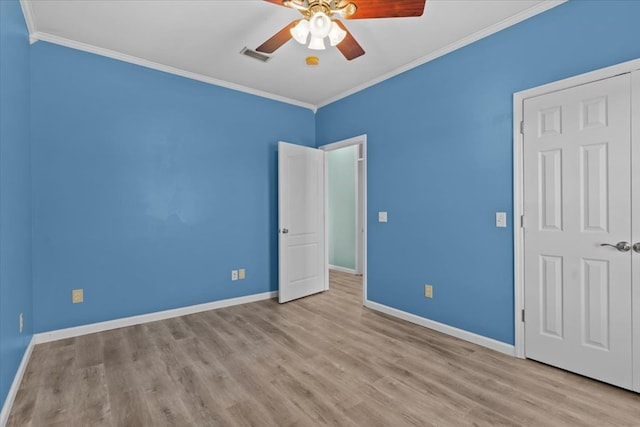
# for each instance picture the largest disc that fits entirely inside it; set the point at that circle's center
(321, 360)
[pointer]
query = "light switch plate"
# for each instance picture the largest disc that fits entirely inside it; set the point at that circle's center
(382, 217)
(501, 219)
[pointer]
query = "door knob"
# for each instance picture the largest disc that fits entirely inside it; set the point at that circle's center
(285, 230)
(621, 246)
(636, 247)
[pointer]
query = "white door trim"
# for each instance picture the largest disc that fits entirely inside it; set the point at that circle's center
(518, 204)
(356, 140)
(635, 227)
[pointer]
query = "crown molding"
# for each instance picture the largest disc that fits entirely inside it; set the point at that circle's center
(165, 68)
(35, 35)
(492, 29)
(29, 17)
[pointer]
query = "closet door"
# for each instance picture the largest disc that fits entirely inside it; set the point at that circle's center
(635, 215)
(577, 197)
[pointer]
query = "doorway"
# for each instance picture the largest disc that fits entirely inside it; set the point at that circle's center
(345, 181)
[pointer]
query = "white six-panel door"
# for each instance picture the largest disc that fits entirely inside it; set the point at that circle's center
(577, 197)
(302, 258)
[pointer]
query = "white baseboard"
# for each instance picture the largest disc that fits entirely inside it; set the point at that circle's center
(15, 385)
(343, 269)
(145, 318)
(445, 329)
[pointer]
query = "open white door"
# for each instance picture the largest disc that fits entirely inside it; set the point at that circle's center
(302, 257)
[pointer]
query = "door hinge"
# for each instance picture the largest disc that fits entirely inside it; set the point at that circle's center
(521, 221)
(522, 127)
(523, 314)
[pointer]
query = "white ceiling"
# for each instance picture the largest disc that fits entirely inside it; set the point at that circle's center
(202, 40)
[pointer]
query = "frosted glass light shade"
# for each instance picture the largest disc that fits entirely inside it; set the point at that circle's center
(301, 31)
(320, 25)
(336, 35)
(317, 43)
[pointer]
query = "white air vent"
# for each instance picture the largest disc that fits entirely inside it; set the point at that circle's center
(255, 55)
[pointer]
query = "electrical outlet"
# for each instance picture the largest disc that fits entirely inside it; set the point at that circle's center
(241, 274)
(234, 274)
(77, 296)
(428, 291)
(21, 322)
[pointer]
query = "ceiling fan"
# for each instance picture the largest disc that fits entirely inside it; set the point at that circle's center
(317, 21)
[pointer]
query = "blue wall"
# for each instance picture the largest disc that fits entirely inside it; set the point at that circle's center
(440, 159)
(148, 188)
(15, 199)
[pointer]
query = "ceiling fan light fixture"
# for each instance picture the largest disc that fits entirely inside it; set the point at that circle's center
(301, 31)
(316, 43)
(317, 16)
(336, 35)
(320, 25)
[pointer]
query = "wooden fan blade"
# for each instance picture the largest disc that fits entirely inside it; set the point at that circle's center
(367, 9)
(278, 39)
(349, 47)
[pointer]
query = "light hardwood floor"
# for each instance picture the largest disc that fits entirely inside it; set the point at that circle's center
(321, 360)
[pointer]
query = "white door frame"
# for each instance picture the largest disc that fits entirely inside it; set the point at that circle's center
(518, 204)
(362, 141)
